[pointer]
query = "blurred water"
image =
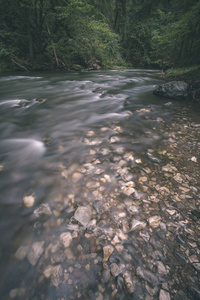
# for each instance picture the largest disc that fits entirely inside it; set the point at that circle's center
(44, 119)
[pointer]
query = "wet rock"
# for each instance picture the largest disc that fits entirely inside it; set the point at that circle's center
(180, 257)
(115, 270)
(128, 283)
(194, 159)
(180, 296)
(196, 213)
(128, 190)
(17, 293)
(148, 276)
(196, 265)
(154, 221)
(42, 211)
(29, 201)
(35, 252)
(105, 276)
(92, 184)
(83, 215)
(164, 295)
(22, 252)
(136, 224)
(161, 268)
(107, 251)
(193, 292)
(56, 274)
(173, 90)
(129, 156)
(66, 239)
(76, 177)
(114, 139)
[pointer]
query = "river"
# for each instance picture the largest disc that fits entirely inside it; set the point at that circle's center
(99, 194)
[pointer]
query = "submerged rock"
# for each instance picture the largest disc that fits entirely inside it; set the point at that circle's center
(128, 283)
(147, 276)
(35, 252)
(136, 224)
(83, 215)
(164, 295)
(107, 251)
(29, 201)
(173, 90)
(115, 270)
(42, 211)
(66, 239)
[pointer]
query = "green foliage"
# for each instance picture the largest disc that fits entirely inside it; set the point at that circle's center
(43, 34)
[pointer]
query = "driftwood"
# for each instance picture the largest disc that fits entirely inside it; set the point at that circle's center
(15, 62)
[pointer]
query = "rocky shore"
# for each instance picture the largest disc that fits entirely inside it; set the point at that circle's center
(128, 226)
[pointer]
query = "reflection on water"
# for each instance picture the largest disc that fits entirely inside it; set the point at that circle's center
(87, 207)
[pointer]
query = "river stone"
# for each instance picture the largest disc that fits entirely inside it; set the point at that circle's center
(154, 221)
(147, 275)
(136, 224)
(128, 190)
(180, 296)
(105, 276)
(164, 295)
(66, 239)
(128, 283)
(17, 293)
(115, 270)
(161, 268)
(22, 252)
(35, 252)
(107, 251)
(193, 292)
(42, 210)
(56, 274)
(76, 177)
(83, 215)
(28, 201)
(173, 90)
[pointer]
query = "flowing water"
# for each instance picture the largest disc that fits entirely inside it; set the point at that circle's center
(99, 193)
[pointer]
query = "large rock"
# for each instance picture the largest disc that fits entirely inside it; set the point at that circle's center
(173, 90)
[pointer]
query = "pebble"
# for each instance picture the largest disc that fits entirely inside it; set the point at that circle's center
(35, 252)
(128, 283)
(164, 295)
(29, 201)
(161, 268)
(136, 224)
(76, 177)
(83, 215)
(22, 252)
(17, 293)
(42, 210)
(92, 184)
(56, 274)
(194, 159)
(66, 239)
(115, 270)
(147, 275)
(128, 190)
(154, 221)
(107, 251)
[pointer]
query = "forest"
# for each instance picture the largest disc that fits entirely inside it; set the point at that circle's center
(94, 34)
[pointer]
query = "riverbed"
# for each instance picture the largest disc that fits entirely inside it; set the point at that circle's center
(99, 194)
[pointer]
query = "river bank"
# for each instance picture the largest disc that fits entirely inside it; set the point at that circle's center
(98, 200)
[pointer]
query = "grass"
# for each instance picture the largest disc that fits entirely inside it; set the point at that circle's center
(190, 73)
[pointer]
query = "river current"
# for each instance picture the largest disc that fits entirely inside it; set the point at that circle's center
(99, 193)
